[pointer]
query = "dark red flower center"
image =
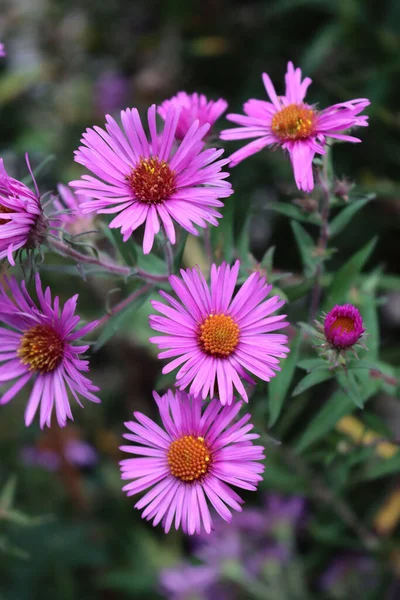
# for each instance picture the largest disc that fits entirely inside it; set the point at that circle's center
(218, 335)
(342, 325)
(41, 348)
(152, 180)
(189, 458)
(294, 122)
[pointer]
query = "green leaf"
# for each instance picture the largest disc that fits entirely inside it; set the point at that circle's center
(312, 379)
(8, 494)
(294, 212)
(347, 274)
(336, 407)
(121, 320)
(339, 222)
(294, 292)
(309, 364)
(307, 248)
(279, 385)
(268, 260)
(380, 468)
(349, 385)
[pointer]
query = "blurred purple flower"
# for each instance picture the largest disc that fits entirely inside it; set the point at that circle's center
(250, 543)
(40, 457)
(110, 92)
(2, 51)
(187, 582)
(79, 453)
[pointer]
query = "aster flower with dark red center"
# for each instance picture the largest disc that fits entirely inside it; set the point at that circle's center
(22, 224)
(194, 107)
(152, 182)
(38, 345)
(294, 125)
(343, 326)
(217, 338)
(191, 462)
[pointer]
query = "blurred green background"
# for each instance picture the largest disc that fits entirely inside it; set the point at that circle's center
(68, 63)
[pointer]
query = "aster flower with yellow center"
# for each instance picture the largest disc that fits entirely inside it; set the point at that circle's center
(217, 339)
(38, 346)
(155, 183)
(296, 126)
(191, 462)
(22, 223)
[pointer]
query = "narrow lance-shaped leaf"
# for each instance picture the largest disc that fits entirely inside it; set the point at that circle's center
(336, 407)
(346, 276)
(307, 248)
(312, 379)
(339, 222)
(293, 212)
(279, 385)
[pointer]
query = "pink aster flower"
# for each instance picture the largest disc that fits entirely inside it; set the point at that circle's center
(194, 107)
(150, 182)
(216, 338)
(343, 326)
(38, 346)
(191, 463)
(69, 215)
(22, 224)
(297, 127)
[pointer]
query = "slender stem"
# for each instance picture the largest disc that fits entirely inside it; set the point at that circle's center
(90, 260)
(109, 266)
(121, 305)
(323, 237)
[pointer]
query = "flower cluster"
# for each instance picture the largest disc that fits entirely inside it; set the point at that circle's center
(220, 334)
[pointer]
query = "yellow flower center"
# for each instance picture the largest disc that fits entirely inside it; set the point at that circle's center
(189, 458)
(294, 122)
(41, 348)
(152, 180)
(218, 335)
(343, 324)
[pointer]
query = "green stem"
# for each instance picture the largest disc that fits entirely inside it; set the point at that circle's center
(323, 237)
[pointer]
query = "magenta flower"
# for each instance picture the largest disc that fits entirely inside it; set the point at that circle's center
(3, 52)
(38, 346)
(152, 182)
(343, 326)
(69, 215)
(190, 463)
(22, 224)
(194, 107)
(297, 127)
(217, 339)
